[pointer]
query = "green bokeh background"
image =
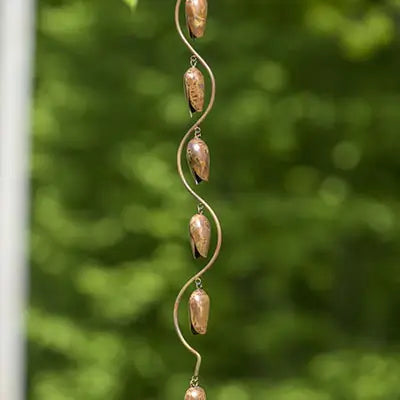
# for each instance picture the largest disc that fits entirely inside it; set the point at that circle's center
(305, 145)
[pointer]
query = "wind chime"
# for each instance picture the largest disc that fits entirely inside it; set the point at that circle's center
(198, 158)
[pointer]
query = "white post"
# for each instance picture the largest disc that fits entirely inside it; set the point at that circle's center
(16, 39)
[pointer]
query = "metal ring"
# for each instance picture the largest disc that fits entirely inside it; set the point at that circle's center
(193, 60)
(200, 208)
(194, 382)
(199, 283)
(197, 132)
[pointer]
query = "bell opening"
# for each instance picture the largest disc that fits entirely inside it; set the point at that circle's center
(193, 330)
(197, 179)
(192, 35)
(196, 253)
(191, 108)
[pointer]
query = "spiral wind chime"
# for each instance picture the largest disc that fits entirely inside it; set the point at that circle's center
(198, 159)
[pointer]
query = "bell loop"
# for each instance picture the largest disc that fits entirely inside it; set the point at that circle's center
(199, 283)
(197, 132)
(193, 60)
(194, 382)
(200, 208)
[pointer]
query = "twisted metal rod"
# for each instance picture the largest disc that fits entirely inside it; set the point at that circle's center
(194, 194)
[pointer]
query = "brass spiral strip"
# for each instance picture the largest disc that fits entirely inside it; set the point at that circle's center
(194, 194)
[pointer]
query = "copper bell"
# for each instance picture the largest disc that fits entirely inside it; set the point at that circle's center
(196, 17)
(194, 89)
(198, 157)
(200, 234)
(199, 310)
(195, 393)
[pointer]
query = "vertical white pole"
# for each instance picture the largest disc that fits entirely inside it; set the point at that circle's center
(16, 39)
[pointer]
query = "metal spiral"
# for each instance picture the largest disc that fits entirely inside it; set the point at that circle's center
(194, 194)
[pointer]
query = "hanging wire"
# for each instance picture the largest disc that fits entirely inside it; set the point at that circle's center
(195, 195)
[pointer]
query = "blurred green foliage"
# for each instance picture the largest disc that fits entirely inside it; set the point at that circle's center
(305, 145)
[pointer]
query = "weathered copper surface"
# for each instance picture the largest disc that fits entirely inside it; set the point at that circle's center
(200, 234)
(194, 89)
(195, 393)
(198, 157)
(196, 17)
(199, 309)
